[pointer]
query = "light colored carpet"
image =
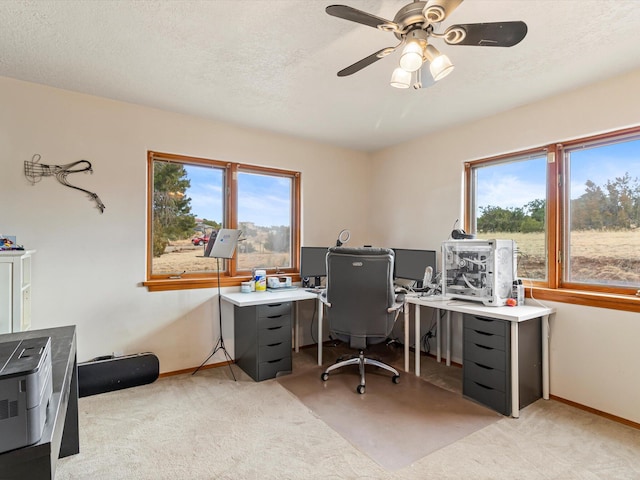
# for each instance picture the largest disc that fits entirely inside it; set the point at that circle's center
(207, 426)
(394, 424)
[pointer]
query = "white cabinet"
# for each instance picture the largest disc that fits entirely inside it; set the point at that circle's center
(15, 290)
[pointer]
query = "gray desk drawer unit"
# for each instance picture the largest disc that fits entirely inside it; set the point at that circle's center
(486, 362)
(263, 339)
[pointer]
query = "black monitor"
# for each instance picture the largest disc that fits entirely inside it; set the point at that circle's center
(411, 264)
(313, 265)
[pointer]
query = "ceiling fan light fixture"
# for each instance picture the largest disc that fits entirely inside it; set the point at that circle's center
(414, 25)
(400, 78)
(440, 66)
(412, 57)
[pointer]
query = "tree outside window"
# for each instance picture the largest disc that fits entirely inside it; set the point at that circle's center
(192, 198)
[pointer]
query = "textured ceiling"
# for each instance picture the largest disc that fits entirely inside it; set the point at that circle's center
(272, 64)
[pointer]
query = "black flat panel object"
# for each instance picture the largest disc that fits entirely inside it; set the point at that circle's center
(109, 373)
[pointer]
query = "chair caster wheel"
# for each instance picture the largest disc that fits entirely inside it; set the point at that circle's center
(360, 389)
(324, 376)
(396, 379)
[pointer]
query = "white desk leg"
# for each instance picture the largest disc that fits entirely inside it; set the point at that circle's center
(438, 337)
(296, 337)
(545, 357)
(448, 338)
(406, 336)
(515, 377)
(320, 318)
(417, 339)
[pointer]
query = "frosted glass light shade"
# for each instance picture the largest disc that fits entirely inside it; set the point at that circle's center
(400, 78)
(411, 59)
(440, 67)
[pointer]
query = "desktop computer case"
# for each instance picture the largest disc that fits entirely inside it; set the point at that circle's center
(479, 270)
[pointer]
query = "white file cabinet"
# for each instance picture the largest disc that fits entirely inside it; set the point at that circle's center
(15, 290)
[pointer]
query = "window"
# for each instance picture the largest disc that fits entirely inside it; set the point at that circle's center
(601, 241)
(264, 215)
(190, 199)
(574, 211)
(511, 203)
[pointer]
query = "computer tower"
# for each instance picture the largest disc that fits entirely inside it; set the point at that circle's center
(479, 270)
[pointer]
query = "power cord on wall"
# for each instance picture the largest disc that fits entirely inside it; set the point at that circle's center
(429, 334)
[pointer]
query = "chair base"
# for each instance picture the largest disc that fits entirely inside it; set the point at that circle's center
(361, 361)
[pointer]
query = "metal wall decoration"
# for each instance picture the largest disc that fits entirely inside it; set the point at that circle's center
(34, 171)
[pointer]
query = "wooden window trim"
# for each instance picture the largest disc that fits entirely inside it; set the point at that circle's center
(554, 289)
(231, 277)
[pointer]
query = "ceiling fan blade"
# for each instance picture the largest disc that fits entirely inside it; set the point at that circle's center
(365, 62)
(437, 10)
(497, 34)
(358, 16)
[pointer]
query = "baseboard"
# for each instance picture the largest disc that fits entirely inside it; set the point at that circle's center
(193, 369)
(600, 413)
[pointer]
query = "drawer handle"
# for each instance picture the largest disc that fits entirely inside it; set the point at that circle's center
(274, 328)
(482, 319)
(483, 346)
(274, 316)
(274, 361)
(274, 305)
(274, 344)
(483, 386)
(484, 333)
(484, 366)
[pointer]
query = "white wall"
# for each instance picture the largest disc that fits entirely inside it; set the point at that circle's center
(88, 266)
(594, 355)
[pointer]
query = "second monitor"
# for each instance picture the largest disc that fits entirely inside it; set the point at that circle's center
(313, 265)
(411, 264)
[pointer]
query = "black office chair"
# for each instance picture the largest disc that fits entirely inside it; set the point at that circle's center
(361, 303)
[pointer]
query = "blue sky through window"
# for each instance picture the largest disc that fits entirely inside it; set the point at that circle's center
(511, 185)
(263, 199)
(600, 164)
(516, 184)
(205, 192)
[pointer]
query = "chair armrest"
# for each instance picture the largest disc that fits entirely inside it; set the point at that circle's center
(397, 304)
(323, 298)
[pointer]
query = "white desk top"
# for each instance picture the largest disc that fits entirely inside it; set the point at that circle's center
(270, 296)
(512, 314)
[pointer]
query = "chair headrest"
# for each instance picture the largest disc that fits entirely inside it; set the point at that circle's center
(361, 250)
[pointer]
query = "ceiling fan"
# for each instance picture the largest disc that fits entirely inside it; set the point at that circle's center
(414, 25)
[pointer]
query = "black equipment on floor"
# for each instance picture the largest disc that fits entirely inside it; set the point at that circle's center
(109, 373)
